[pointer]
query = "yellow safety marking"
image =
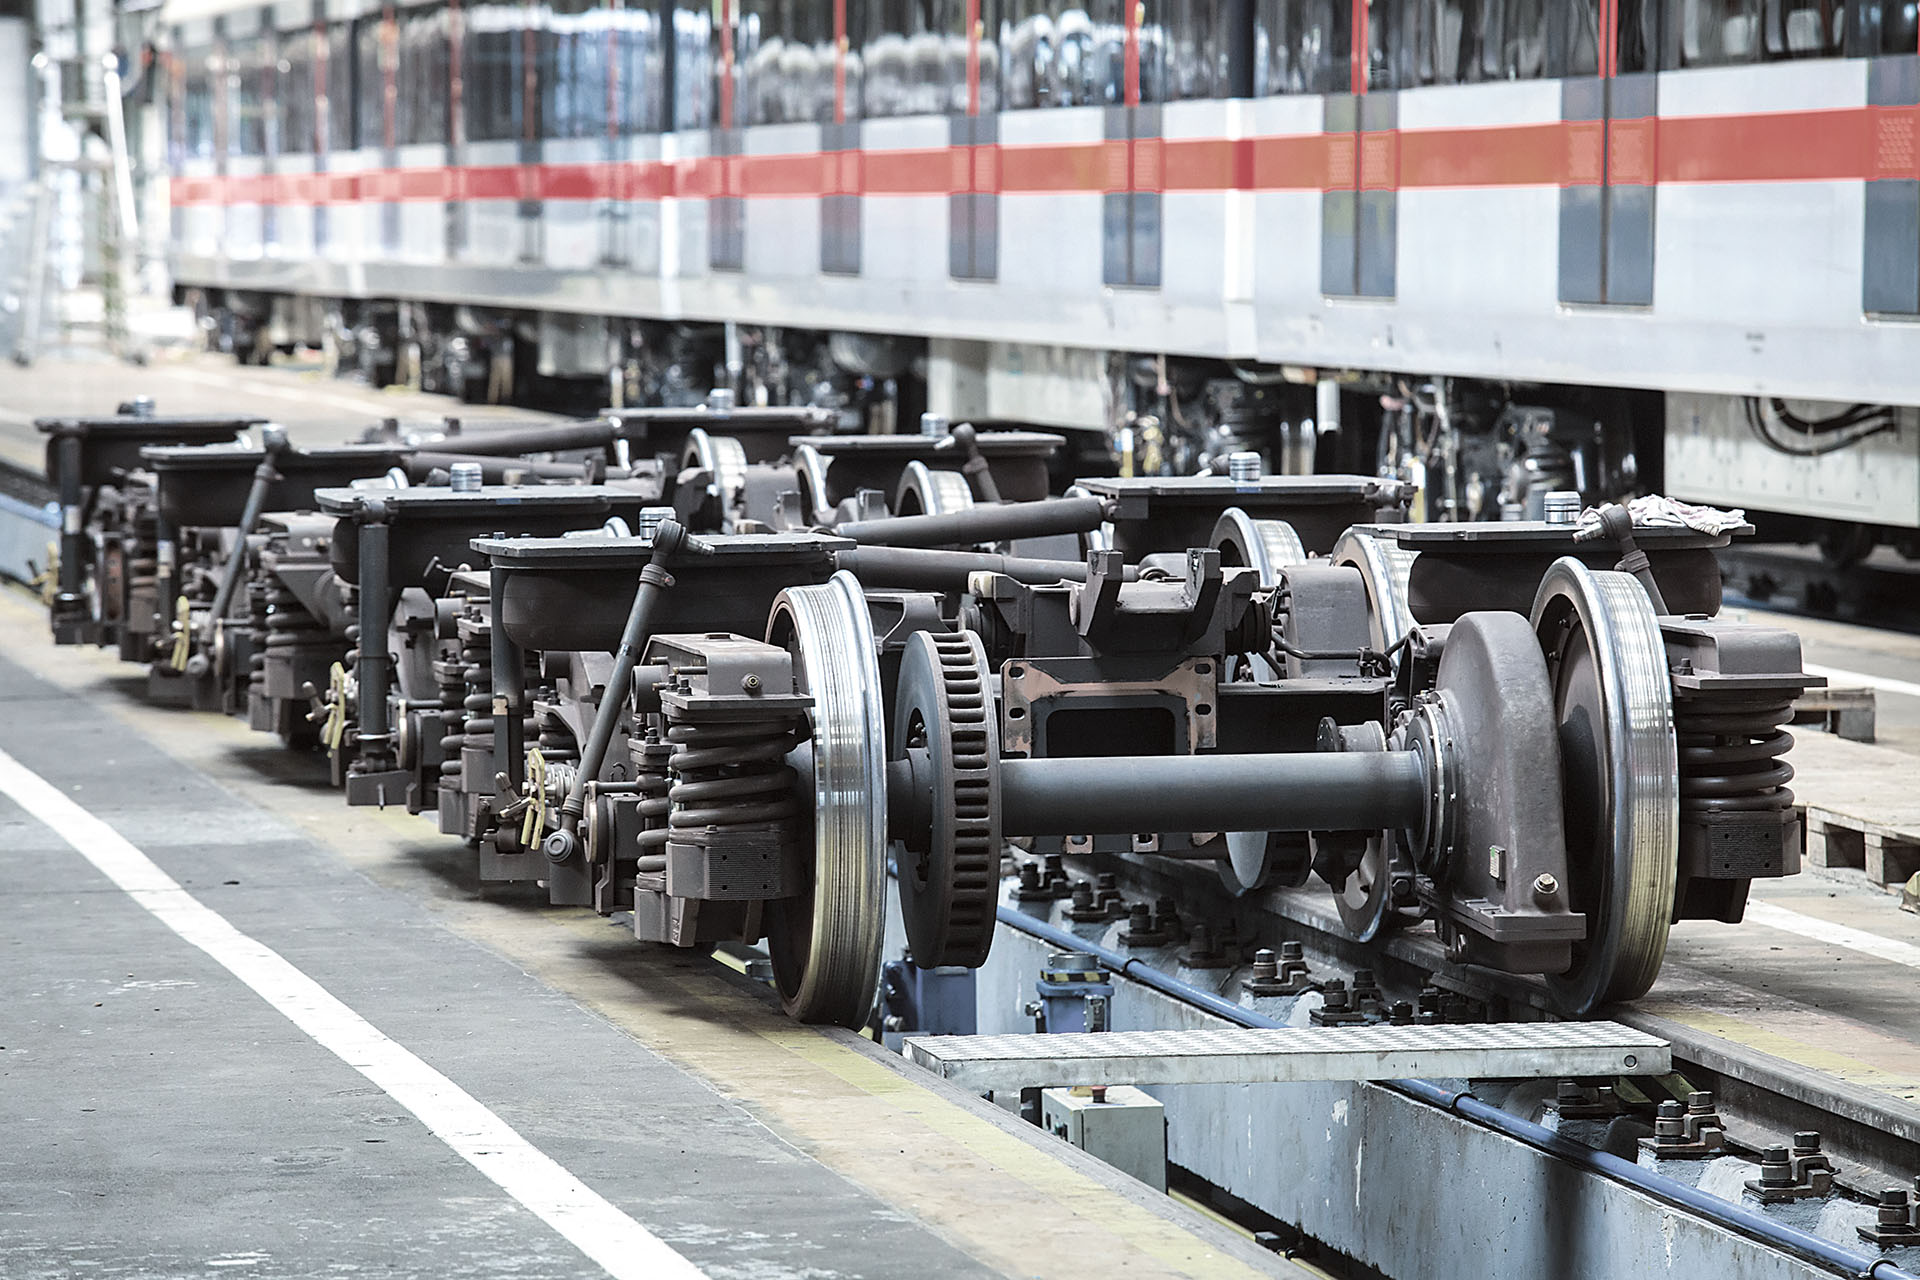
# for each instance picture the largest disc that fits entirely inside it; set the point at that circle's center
(47, 581)
(334, 732)
(1826, 1061)
(535, 821)
(182, 634)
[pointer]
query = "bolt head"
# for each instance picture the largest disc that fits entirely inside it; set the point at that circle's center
(750, 682)
(1545, 884)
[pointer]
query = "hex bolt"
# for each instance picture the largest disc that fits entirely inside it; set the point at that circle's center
(1776, 1167)
(1266, 965)
(1569, 1091)
(1806, 1144)
(1166, 915)
(1029, 876)
(750, 682)
(1893, 1208)
(1366, 988)
(1336, 996)
(1086, 906)
(1292, 951)
(1700, 1103)
(1243, 466)
(1545, 885)
(1401, 1015)
(1670, 1125)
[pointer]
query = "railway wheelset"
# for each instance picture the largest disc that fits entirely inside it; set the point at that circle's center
(732, 673)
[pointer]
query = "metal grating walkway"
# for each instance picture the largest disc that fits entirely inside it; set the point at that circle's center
(1512, 1050)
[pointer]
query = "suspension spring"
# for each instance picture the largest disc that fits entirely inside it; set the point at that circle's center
(731, 775)
(651, 759)
(1731, 748)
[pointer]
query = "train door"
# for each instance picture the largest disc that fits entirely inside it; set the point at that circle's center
(1604, 54)
(1359, 203)
(1887, 33)
(973, 133)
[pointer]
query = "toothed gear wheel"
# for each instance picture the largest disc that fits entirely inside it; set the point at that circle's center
(949, 874)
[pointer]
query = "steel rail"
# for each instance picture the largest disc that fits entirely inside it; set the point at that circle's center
(1723, 1213)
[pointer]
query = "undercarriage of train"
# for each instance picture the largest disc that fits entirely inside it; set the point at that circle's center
(731, 670)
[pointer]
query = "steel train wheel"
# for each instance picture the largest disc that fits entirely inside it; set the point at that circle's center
(1613, 710)
(926, 492)
(1384, 566)
(825, 942)
(1268, 546)
(722, 457)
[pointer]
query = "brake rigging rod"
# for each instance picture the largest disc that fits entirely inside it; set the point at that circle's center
(669, 539)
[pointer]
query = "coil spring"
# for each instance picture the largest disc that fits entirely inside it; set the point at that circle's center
(730, 775)
(556, 740)
(287, 621)
(1731, 746)
(651, 759)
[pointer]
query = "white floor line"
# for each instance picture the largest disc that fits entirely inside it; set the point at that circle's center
(1839, 935)
(622, 1247)
(1840, 678)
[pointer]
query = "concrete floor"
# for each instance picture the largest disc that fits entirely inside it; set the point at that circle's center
(163, 1120)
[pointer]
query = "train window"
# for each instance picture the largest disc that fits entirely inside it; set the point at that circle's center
(1190, 40)
(1573, 44)
(296, 92)
(1068, 54)
(1445, 36)
(573, 68)
(1638, 47)
(695, 78)
(251, 96)
(1523, 39)
(196, 102)
(637, 70)
(1718, 32)
(422, 79)
(783, 62)
(1307, 45)
(1865, 28)
(1802, 28)
(340, 96)
(913, 59)
(373, 64)
(493, 68)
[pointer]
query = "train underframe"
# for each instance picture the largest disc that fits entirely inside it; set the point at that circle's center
(1844, 479)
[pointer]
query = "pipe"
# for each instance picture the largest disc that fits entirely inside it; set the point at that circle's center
(597, 434)
(1299, 791)
(920, 569)
(671, 537)
(981, 524)
(1720, 1212)
(376, 612)
(274, 443)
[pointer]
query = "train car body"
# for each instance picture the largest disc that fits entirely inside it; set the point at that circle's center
(1717, 204)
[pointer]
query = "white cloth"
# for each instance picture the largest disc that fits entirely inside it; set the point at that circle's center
(1655, 511)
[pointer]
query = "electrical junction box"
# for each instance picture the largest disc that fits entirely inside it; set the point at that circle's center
(1116, 1123)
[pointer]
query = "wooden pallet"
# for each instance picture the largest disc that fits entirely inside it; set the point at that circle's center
(1862, 806)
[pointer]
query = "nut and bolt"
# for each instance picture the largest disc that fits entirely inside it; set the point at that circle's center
(1776, 1167)
(1563, 506)
(1401, 1014)
(933, 424)
(1243, 466)
(720, 400)
(1545, 885)
(465, 477)
(750, 682)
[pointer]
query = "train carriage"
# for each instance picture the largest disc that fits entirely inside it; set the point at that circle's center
(1686, 233)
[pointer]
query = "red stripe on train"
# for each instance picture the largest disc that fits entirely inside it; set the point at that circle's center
(1845, 144)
